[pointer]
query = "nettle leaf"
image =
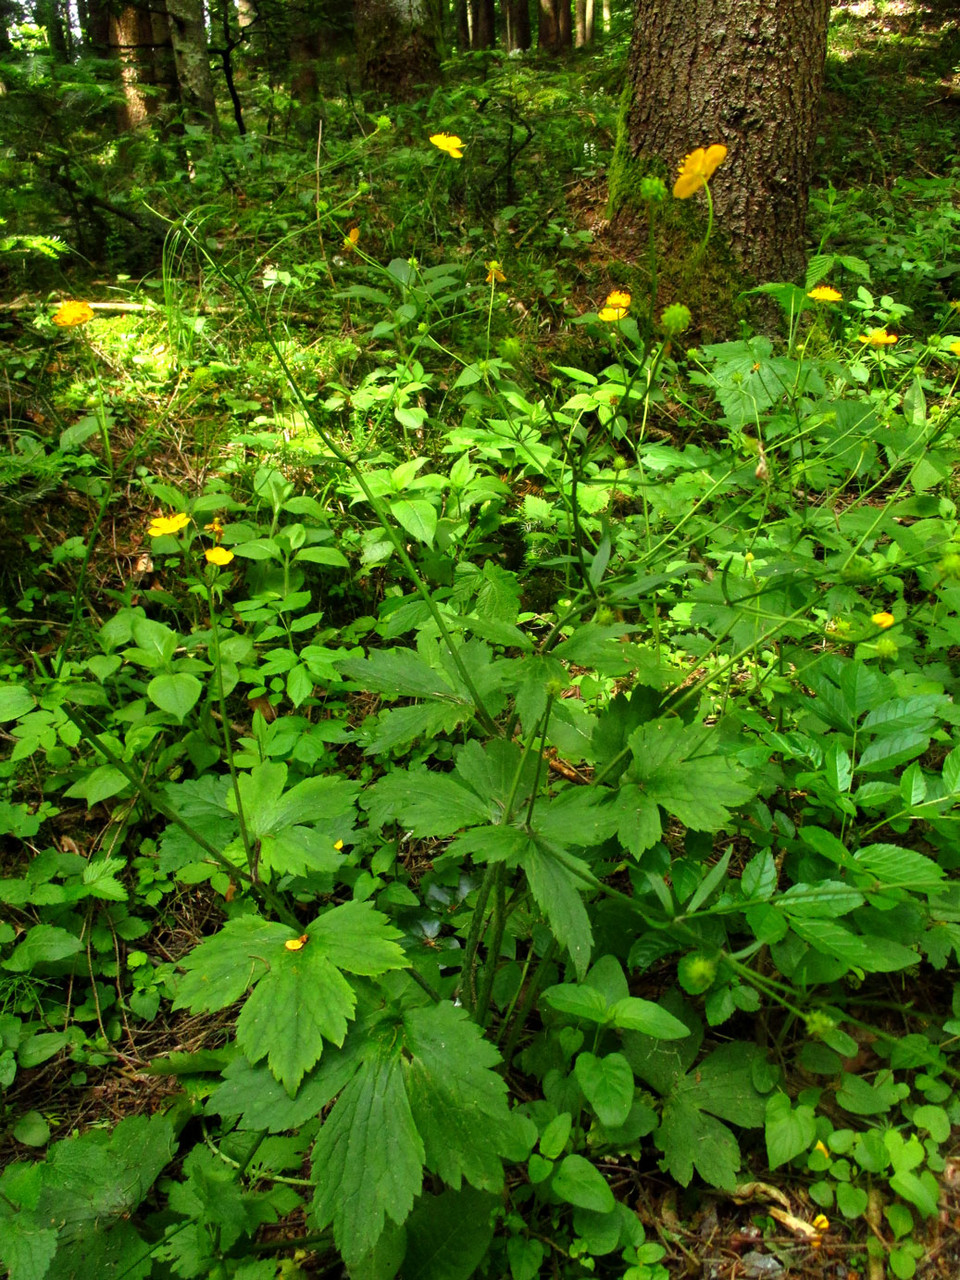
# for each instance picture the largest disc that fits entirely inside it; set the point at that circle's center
(874, 955)
(556, 889)
(893, 865)
(457, 1099)
(676, 766)
(368, 1159)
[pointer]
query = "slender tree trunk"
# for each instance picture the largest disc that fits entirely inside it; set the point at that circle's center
(516, 14)
(462, 18)
(483, 32)
(607, 17)
(188, 33)
(49, 16)
(94, 16)
(584, 23)
(745, 73)
(555, 28)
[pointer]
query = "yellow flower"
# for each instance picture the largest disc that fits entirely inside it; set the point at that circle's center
(70, 313)
(338, 845)
(879, 338)
(448, 142)
(883, 620)
(823, 293)
(296, 944)
(822, 1222)
(821, 1148)
(616, 306)
(161, 526)
(495, 272)
(351, 238)
(218, 555)
(697, 168)
(955, 348)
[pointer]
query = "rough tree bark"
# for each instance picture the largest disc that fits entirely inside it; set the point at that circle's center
(189, 36)
(140, 38)
(747, 73)
(396, 50)
(516, 16)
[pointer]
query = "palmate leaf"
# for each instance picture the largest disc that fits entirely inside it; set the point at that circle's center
(368, 1159)
(690, 1139)
(676, 766)
(302, 997)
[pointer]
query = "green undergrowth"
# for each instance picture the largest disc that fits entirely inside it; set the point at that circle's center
(515, 751)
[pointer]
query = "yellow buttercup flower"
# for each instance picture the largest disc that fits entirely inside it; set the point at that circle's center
(697, 168)
(351, 238)
(883, 620)
(218, 555)
(162, 526)
(822, 1149)
(616, 307)
(824, 293)
(338, 845)
(69, 314)
(879, 338)
(448, 142)
(822, 1222)
(955, 348)
(494, 272)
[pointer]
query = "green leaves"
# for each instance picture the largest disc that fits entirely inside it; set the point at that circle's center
(302, 997)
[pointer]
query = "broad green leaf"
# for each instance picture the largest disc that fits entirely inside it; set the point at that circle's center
(417, 516)
(575, 818)
(790, 1130)
(555, 1135)
(581, 1184)
(875, 955)
(359, 939)
(156, 643)
(42, 944)
(824, 899)
(525, 1257)
(723, 1084)
(893, 865)
(556, 890)
(26, 1250)
(607, 1084)
(176, 694)
(457, 1099)
(675, 765)
(221, 969)
(102, 783)
(324, 555)
(32, 1130)
(634, 1014)
(400, 726)
(428, 803)
(302, 1001)
(15, 701)
(892, 749)
(851, 1200)
(861, 1098)
(448, 1235)
(582, 1002)
(759, 878)
(368, 1158)
(690, 1139)
(261, 1102)
(397, 673)
(100, 879)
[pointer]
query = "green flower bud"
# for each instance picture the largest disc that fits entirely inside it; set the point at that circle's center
(675, 319)
(653, 190)
(819, 1023)
(696, 973)
(384, 122)
(621, 463)
(950, 565)
(887, 648)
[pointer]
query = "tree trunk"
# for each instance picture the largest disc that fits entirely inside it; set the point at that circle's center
(48, 15)
(395, 50)
(140, 38)
(745, 73)
(516, 16)
(584, 23)
(188, 33)
(462, 19)
(555, 30)
(94, 18)
(483, 28)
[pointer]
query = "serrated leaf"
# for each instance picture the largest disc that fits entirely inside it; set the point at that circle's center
(556, 890)
(401, 726)
(892, 749)
(222, 968)
(368, 1159)
(582, 1002)
(674, 765)
(26, 1251)
(457, 1099)
(302, 1001)
(824, 899)
(42, 944)
(259, 1100)
(893, 865)
(417, 516)
(428, 803)
(723, 1084)
(398, 673)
